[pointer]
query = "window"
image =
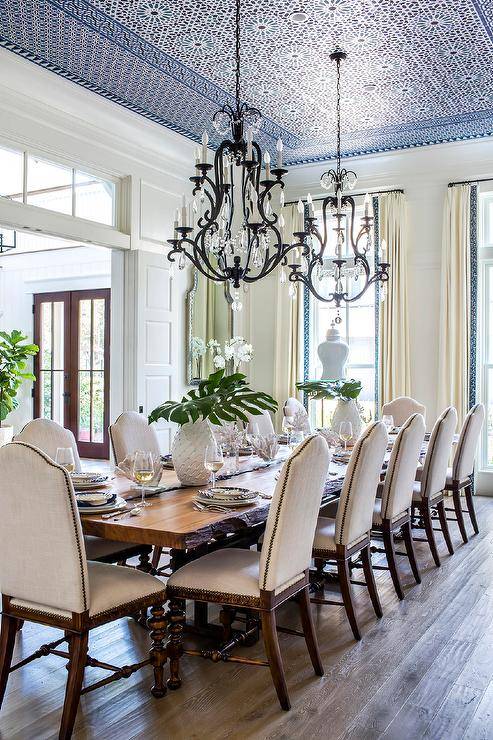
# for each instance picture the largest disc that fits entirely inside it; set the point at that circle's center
(357, 330)
(485, 327)
(56, 187)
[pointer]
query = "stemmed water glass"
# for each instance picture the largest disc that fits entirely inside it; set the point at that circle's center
(345, 432)
(287, 427)
(213, 460)
(65, 457)
(388, 420)
(143, 471)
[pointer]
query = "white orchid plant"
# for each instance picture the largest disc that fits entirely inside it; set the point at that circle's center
(236, 350)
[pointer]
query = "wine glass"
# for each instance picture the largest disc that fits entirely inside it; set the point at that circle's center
(143, 471)
(345, 432)
(388, 420)
(287, 427)
(295, 438)
(65, 457)
(213, 460)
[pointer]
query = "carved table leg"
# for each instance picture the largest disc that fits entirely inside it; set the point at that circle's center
(157, 627)
(176, 620)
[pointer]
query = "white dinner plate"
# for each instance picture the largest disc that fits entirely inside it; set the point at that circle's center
(117, 505)
(90, 486)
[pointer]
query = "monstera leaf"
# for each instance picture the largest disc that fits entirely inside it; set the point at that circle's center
(219, 399)
(321, 389)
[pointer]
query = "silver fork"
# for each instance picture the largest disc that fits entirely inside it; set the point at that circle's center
(211, 507)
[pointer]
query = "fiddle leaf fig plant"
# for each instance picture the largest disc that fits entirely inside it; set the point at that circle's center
(219, 399)
(346, 390)
(14, 356)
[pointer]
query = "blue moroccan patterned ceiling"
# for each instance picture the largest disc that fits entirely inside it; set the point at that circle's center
(418, 71)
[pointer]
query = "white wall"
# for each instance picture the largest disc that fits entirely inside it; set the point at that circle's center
(55, 118)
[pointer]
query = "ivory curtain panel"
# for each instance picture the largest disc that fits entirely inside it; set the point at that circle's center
(395, 369)
(288, 344)
(455, 304)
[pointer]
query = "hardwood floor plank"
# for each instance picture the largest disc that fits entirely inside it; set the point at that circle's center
(424, 671)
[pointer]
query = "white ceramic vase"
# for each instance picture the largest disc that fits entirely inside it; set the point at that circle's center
(347, 411)
(6, 435)
(188, 453)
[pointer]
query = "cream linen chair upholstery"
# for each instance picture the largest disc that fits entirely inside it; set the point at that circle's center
(401, 409)
(263, 581)
(393, 508)
(48, 580)
(47, 436)
(349, 533)
(263, 422)
(460, 475)
(292, 407)
(428, 491)
(132, 432)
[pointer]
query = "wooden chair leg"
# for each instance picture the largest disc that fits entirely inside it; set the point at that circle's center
(156, 556)
(78, 655)
(176, 619)
(309, 631)
(470, 508)
(157, 627)
(271, 645)
(411, 554)
(442, 516)
(370, 580)
(347, 596)
(459, 515)
(7, 642)
(388, 543)
(430, 534)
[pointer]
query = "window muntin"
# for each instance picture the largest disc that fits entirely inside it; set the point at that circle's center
(40, 182)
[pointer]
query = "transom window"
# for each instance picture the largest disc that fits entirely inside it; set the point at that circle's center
(36, 181)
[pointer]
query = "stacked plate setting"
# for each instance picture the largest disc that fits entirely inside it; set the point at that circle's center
(230, 498)
(92, 494)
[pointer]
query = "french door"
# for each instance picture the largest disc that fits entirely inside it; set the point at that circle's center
(72, 330)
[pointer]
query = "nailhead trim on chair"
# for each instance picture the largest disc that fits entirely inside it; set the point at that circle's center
(396, 458)
(202, 594)
(430, 453)
(74, 519)
(41, 613)
(346, 503)
(281, 498)
(129, 604)
(460, 449)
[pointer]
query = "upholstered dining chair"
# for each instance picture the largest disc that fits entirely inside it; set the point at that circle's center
(459, 476)
(50, 582)
(428, 490)
(338, 539)
(47, 436)
(292, 407)
(262, 581)
(131, 432)
(392, 512)
(401, 409)
(263, 422)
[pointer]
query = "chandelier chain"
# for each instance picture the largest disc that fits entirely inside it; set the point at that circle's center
(237, 54)
(338, 114)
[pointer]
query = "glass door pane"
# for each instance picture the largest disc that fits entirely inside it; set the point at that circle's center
(51, 365)
(91, 309)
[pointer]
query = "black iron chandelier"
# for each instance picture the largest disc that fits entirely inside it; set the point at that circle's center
(231, 232)
(319, 270)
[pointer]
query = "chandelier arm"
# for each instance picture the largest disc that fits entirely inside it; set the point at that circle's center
(196, 263)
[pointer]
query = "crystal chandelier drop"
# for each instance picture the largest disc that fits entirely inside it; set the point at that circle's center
(328, 276)
(230, 230)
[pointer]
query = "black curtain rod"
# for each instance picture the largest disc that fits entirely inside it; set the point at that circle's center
(370, 192)
(470, 182)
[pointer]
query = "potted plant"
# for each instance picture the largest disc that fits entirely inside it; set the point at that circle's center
(217, 399)
(14, 355)
(346, 392)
